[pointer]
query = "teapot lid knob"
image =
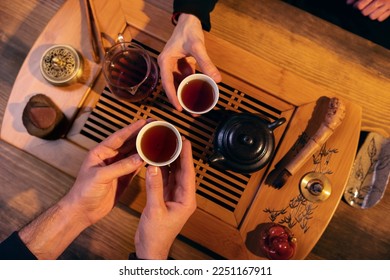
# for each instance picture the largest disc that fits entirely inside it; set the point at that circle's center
(246, 139)
(244, 142)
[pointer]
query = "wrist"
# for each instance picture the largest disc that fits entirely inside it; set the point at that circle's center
(184, 16)
(73, 213)
(144, 255)
(51, 233)
(152, 249)
(188, 25)
(185, 19)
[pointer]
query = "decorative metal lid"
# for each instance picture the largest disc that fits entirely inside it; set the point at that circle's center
(60, 64)
(315, 187)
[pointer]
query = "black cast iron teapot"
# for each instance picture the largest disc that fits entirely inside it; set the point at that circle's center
(244, 143)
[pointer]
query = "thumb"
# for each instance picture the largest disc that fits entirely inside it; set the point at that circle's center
(122, 167)
(206, 65)
(154, 187)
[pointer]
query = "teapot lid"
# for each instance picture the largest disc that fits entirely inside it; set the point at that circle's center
(245, 142)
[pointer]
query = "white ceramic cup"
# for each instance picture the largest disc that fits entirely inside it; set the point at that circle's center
(158, 146)
(187, 83)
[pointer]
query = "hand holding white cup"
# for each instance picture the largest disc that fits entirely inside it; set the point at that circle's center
(159, 143)
(198, 94)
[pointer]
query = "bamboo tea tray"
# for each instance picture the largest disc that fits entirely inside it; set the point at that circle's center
(231, 206)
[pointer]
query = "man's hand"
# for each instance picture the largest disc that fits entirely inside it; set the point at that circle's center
(107, 170)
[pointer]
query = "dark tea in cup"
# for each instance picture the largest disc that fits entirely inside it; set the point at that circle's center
(128, 69)
(198, 93)
(159, 143)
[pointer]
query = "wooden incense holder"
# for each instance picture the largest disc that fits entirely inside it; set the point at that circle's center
(334, 116)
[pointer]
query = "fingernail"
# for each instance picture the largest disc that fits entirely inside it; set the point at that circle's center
(216, 77)
(153, 170)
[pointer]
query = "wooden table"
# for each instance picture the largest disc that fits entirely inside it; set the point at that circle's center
(248, 75)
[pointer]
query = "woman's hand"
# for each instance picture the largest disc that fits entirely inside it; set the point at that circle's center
(183, 50)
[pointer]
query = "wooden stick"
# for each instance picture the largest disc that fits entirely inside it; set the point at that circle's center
(92, 32)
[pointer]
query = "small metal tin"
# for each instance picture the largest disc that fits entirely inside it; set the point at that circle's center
(315, 187)
(61, 65)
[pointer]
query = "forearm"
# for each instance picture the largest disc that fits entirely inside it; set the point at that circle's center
(51, 233)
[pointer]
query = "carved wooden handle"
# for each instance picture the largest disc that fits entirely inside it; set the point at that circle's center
(333, 118)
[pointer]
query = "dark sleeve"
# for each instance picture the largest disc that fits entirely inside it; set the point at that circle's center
(133, 256)
(13, 248)
(199, 8)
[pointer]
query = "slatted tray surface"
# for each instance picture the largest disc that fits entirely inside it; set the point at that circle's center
(219, 192)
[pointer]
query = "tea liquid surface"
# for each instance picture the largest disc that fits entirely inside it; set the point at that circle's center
(198, 95)
(159, 143)
(128, 68)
